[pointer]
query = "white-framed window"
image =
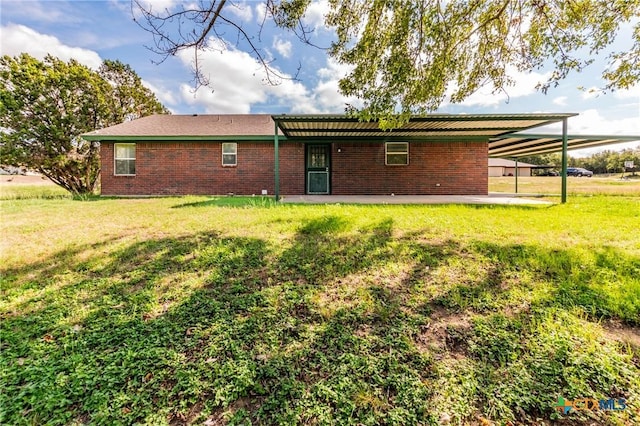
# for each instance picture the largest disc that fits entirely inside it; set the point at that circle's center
(229, 154)
(396, 153)
(124, 159)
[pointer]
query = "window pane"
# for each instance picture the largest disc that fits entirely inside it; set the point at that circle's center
(318, 160)
(317, 156)
(395, 159)
(125, 167)
(229, 148)
(397, 153)
(397, 147)
(228, 159)
(125, 151)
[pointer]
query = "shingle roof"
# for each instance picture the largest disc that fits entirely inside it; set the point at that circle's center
(497, 128)
(190, 125)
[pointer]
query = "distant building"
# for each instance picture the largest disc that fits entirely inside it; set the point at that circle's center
(503, 167)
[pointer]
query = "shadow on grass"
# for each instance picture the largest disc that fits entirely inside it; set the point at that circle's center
(602, 282)
(321, 330)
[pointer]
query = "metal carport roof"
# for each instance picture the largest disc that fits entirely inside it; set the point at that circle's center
(520, 145)
(502, 131)
(433, 126)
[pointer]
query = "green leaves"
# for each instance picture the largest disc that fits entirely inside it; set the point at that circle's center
(46, 105)
(410, 56)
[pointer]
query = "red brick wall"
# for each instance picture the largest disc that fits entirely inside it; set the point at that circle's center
(165, 168)
(460, 168)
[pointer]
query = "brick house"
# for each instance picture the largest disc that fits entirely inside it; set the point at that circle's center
(302, 154)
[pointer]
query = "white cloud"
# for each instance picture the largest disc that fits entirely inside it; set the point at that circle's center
(261, 12)
(41, 11)
(327, 92)
(524, 84)
(283, 47)
(560, 100)
(591, 92)
(595, 92)
(241, 10)
(632, 93)
(314, 16)
(591, 122)
(166, 96)
(17, 39)
(155, 6)
(237, 83)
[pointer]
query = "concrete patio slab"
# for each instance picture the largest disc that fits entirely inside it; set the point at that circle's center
(411, 199)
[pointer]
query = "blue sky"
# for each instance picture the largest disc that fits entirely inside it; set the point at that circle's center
(91, 31)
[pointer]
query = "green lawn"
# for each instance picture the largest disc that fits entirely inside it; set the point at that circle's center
(551, 185)
(203, 310)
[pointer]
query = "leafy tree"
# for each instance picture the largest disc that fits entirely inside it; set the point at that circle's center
(553, 159)
(409, 56)
(597, 162)
(615, 160)
(602, 162)
(46, 105)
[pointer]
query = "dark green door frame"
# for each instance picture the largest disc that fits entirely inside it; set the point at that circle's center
(516, 174)
(318, 163)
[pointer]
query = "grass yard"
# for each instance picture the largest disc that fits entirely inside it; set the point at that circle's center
(551, 185)
(204, 310)
(14, 187)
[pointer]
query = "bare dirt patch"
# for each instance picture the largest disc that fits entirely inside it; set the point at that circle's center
(24, 180)
(219, 418)
(616, 330)
(444, 331)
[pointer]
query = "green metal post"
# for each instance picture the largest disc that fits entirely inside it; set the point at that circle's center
(516, 173)
(277, 162)
(564, 160)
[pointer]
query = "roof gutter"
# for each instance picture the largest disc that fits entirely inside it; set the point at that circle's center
(178, 138)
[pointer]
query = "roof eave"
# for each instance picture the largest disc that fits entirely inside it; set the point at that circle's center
(429, 117)
(284, 123)
(530, 144)
(177, 138)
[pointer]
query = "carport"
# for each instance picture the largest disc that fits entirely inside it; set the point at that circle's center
(501, 132)
(445, 132)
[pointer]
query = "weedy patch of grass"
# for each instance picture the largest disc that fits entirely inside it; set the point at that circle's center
(22, 192)
(231, 201)
(236, 310)
(551, 185)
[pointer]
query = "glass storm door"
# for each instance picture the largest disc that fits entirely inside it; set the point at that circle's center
(318, 169)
